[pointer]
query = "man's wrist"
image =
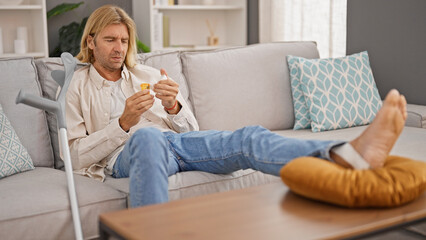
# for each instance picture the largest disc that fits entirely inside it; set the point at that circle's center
(175, 109)
(122, 127)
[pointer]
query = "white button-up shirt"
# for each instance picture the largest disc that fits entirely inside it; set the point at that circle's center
(96, 141)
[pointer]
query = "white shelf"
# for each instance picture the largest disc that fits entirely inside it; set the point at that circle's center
(31, 15)
(198, 7)
(198, 47)
(21, 7)
(187, 25)
(30, 54)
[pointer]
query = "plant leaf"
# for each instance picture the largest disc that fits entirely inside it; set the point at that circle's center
(61, 8)
(70, 37)
(142, 47)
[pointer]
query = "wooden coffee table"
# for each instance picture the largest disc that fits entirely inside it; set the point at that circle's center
(269, 211)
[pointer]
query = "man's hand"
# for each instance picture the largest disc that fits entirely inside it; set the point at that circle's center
(166, 91)
(137, 104)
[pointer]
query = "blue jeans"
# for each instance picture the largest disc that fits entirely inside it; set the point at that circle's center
(151, 156)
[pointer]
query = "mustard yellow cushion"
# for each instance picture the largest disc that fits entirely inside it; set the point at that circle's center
(401, 180)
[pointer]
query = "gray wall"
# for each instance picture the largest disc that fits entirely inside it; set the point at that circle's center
(77, 15)
(394, 34)
(252, 21)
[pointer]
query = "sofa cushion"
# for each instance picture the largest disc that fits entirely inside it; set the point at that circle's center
(40, 198)
(236, 87)
(302, 119)
(416, 116)
(399, 181)
(14, 158)
(49, 88)
(29, 123)
(195, 183)
(339, 92)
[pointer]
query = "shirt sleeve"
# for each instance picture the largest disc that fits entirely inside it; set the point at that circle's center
(184, 120)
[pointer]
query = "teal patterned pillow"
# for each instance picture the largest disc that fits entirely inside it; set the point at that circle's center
(301, 111)
(14, 157)
(339, 92)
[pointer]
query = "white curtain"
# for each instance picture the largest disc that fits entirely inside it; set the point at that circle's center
(322, 21)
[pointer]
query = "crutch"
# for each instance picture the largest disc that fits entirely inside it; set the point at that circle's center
(63, 78)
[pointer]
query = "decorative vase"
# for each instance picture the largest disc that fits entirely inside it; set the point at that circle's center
(20, 46)
(22, 34)
(212, 41)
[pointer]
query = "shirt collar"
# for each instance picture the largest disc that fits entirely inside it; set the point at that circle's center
(99, 80)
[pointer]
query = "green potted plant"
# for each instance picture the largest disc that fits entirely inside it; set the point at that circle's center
(70, 35)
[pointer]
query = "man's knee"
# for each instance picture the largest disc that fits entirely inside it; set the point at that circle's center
(251, 131)
(149, 146)
(146, 135)
(251, 135)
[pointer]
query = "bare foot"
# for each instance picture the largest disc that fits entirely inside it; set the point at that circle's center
(376, 142)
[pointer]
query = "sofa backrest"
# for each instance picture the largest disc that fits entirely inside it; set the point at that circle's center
(250, 85)
(29, 123)
(235, 87)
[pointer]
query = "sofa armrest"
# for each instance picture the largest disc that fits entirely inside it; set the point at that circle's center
(416, 116)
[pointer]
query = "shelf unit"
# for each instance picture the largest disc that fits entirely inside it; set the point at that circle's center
(188, 24)
(32, 15)
(197, 7)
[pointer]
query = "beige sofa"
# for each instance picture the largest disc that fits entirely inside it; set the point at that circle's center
(227, 89)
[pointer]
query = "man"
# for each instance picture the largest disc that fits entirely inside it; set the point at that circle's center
(116, 128)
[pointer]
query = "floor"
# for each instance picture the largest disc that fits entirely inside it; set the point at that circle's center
(417, 231)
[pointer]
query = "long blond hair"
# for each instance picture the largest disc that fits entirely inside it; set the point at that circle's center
(100, 19)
